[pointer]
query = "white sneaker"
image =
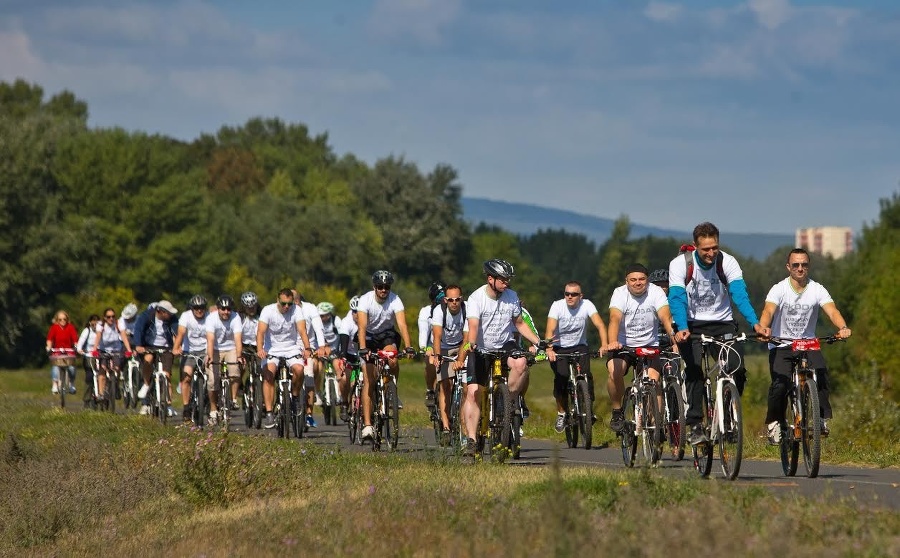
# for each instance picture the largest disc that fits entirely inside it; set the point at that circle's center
(145, 389)
(318, 400)
(368, 433)
(213, 419)
(172, 412)
(145, 410)
(54, 389)
(773, 432)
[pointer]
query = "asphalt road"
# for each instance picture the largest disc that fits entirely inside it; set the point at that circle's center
(864, 486)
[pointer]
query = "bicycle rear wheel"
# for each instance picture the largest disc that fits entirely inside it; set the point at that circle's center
(674, 417)
(810, 427)
(703, 453)
(585, 413)
(731, 439)
(628, 432)
(392, 420)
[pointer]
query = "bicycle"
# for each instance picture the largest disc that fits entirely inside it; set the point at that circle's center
(331, 393)
(254, 406)
(224, 392)
(803, 425)
(723, 420)
(385, 402)
(355, 422)
(454, 406)
(199, 392)
(499, 427)
(131, 380)
(673, 403)
(62, 359)
(643, 417)
(159, 400)
(580, 404)
(103, 363)
(289, 413)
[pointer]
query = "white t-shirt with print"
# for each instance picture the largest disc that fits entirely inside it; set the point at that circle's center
(282, 333)
(640, 327)
(382, 317)
(496, 318)
(708, 298)
(110, 341)
(571, 322)
(249, 324)
(796, 313)
(224, 330)
(194, 340)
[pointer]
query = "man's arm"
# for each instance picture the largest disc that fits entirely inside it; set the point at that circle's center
(261, 329)
(401, 325)
(525, 331)
(830, 310)
(615, 318)
(179, 340)
(768, 313)
(597, 320)
(362, 323)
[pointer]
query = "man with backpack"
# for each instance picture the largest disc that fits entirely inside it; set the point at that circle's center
(448, 329)
(703, 283)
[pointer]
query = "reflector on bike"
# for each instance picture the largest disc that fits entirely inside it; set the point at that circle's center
(805, 345)
(646, 351)
(387, 354)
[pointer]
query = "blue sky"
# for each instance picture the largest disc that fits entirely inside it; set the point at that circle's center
(761, 116)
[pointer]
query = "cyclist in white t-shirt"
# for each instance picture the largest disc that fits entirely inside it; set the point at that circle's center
(636, 311)
(567, 326)
(382, 324)
(494, 313)
(792, 310)
(224, 332)
(348, 348)
(190, 343)
(281, 333)
(315, 331)
(448, 329)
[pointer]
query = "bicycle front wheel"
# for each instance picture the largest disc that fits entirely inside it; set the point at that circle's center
(810, 427)
(111, 392)
(789, 448)
(501, 429)
(674, 418)
(629, 432)
(652, 431)
(703, 453)
(329, 408)
(454, 416)
(163, 399)
(392, 420)
(585, 413)
(731, 439)
(572, 420)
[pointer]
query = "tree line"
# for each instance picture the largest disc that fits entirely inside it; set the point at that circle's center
(98, 217)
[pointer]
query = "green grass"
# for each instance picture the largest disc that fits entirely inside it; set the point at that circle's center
(84, 483)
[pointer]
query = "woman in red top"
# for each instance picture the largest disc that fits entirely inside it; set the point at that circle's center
(61, 341)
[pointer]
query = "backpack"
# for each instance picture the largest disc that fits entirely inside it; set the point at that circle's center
(688, 251)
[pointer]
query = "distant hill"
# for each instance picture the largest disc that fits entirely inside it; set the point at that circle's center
(526, 219)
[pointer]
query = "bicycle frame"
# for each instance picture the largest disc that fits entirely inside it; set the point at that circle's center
(642, 389)
(384, 384)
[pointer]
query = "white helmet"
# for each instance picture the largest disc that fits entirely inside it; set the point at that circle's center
(249, 299)
(354, 303)
(325, 308)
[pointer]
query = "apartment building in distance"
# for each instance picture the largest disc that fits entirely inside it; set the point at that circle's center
(836, 242)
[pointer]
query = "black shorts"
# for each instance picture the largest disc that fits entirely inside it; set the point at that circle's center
(780, 363)
(630, 360)
(478, 367)
(382, 339)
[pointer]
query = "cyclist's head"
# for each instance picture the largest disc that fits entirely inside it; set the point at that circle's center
(225, 302)
(706, 241)
(382, 278)
(660, 278)
(453, 297)
(197, 302)
(130, 311)
(499, 274)
(636, 279)
(249, 299)
(436, 291)
(354, 304)
(572, 294)
(325, 308)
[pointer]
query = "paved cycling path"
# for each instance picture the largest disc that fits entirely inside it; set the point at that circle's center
(863, 485)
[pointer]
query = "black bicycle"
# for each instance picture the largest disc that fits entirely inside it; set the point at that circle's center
(643, 416)
(579, 403)
(254, 406)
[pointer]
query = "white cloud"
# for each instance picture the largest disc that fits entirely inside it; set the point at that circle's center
(771, 14)
(663, 11)
(17, 58)
(424, 21)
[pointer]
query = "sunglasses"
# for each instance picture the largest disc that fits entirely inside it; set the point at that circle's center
(110, 316)
(455, 299)
(797, 265)
(572, 294)
(382, 287)
(286, 304)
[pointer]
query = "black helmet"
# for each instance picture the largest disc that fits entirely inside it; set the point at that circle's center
(225, 301)
(197, 301)
(382, 277)
(436, 290)
(659, 276)
(499, 268)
